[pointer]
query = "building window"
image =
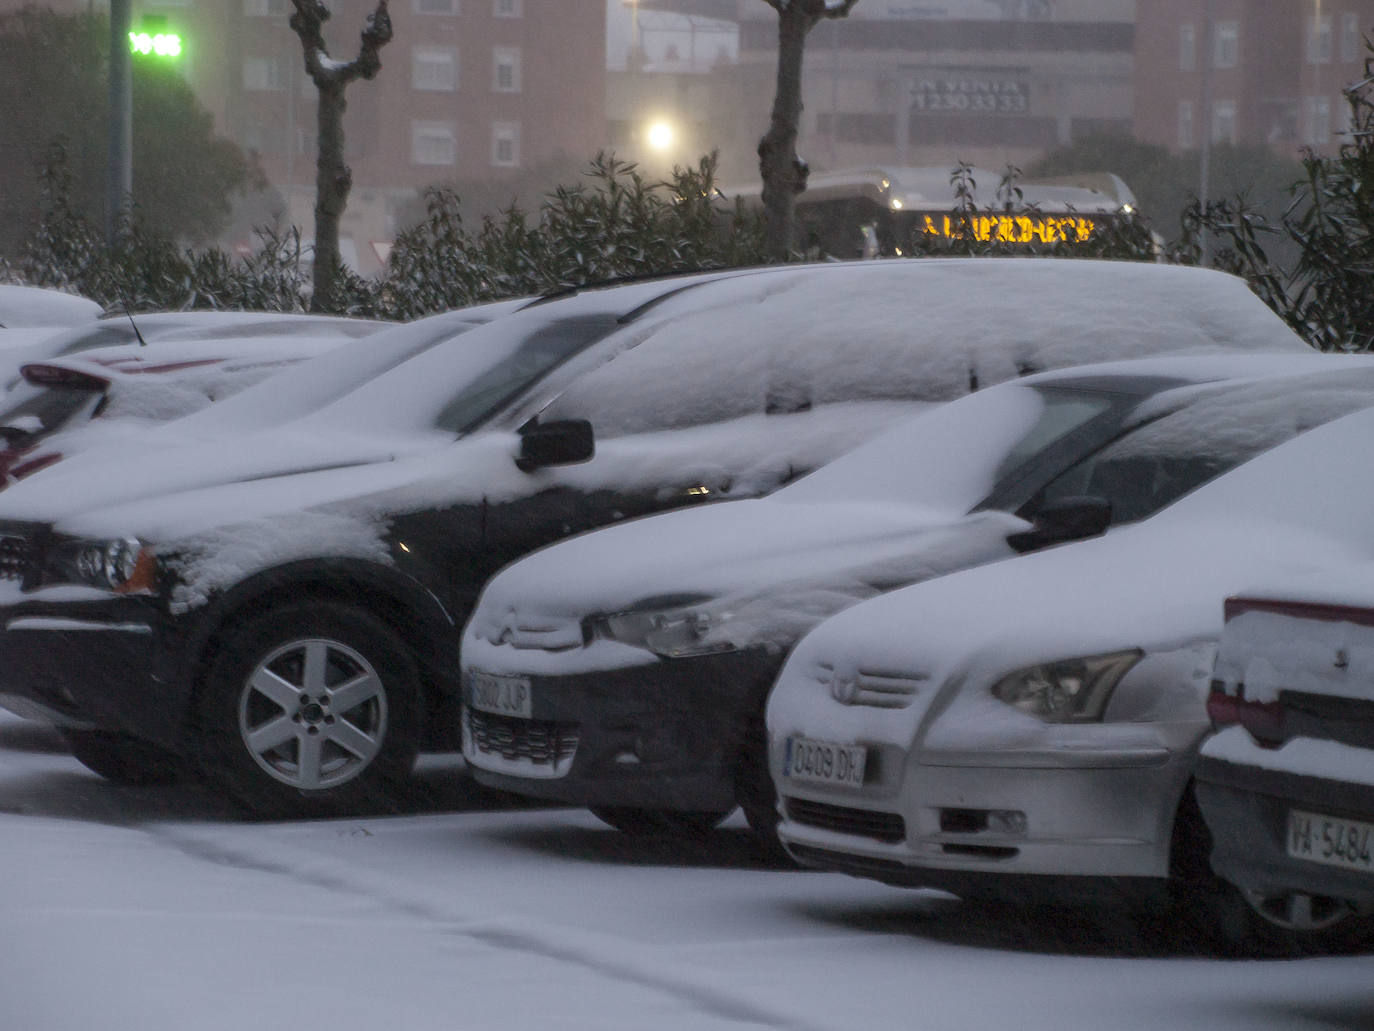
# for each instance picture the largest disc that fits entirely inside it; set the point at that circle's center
(265, 8)
(1187, 47)
(436, 6)
(434, 69)
(1319, 39)
(433, 143)
(1226, 45)
(1224, 121)
(505, 144)
(506, 70)
(1185, 124)
(507, 8)
(1352, 43)
(1318, 121)
(262, 73)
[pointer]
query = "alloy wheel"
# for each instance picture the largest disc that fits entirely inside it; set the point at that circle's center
(313, 714)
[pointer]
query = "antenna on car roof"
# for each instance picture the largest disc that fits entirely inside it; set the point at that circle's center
(124, 300)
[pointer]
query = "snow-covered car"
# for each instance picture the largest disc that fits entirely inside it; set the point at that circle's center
(1287, 784)
(627, 670)
(160, 327)
(102, 396)
(38, 308)
(282, 606)
(1033, 725)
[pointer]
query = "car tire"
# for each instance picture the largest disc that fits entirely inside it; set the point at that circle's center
(658, 822)
(311, 710)
(122, 759)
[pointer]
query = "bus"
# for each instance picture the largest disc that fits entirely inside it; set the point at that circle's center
(888, 212)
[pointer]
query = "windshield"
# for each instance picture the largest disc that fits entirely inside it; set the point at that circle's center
(1173, 449)
(543, 350)
(957, 455)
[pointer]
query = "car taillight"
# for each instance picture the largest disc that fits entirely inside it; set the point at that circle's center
(63, 379)
(32, 466)
(1221, 707)
(1263, 720)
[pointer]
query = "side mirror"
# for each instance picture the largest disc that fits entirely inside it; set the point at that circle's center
(1068, 519)
(565, 442)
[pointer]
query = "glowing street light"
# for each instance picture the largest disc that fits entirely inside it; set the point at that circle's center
(661, 135)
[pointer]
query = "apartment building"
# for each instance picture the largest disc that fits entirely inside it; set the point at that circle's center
(1265, 71)
(906, 83)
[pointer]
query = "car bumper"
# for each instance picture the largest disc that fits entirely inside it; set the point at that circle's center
(953, 825)
(1247, 809)
(108, 663)
(665, 735)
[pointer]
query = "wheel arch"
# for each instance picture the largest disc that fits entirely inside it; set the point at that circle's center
(403, 605)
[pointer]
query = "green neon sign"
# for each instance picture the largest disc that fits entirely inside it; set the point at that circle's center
(162, 44)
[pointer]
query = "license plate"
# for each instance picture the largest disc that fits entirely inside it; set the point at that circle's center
(824, 762)
(1330, 840)
(504, 696)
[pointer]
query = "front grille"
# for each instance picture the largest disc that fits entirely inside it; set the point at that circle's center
(518, 740)
(879, 689)
(865, 823)
(14, 555)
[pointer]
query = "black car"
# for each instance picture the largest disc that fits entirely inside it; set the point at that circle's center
(1287, 785)
(281, 606)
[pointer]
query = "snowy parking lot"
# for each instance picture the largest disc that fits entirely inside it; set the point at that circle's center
(158, 909)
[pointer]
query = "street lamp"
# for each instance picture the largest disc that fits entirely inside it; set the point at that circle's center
(661, 135)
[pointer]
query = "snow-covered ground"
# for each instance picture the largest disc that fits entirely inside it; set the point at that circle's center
(156, 909)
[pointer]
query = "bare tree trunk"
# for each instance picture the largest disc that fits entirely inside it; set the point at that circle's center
(782, 171)
(783, 174)
(333, 179)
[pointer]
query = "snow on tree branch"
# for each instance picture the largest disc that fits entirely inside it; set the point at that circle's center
(308, 24)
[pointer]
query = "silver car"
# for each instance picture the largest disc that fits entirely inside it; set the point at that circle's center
(1032, 725)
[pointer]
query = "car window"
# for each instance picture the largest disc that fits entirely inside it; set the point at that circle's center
(1168, 455)
(673, 378)
(974, 449)
(544, 349)
(33, 411)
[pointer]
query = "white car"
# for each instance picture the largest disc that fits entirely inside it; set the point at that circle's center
(1032, 725)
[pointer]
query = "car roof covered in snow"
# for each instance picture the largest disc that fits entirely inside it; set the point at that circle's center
(31, 307)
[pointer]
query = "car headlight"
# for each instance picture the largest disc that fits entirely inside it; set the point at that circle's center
(124, 565)
(1069, 690)
(673, 633)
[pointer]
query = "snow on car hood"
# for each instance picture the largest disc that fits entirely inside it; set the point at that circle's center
(738, 548)
(91, 493)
